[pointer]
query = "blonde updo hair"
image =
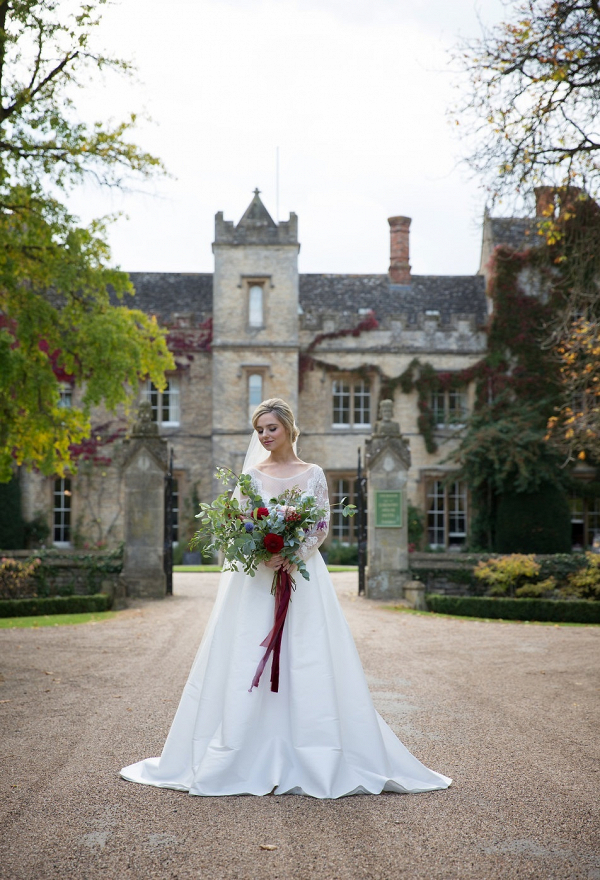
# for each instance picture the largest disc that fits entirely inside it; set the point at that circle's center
(282, 412)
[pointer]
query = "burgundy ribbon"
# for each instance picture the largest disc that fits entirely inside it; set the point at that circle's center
(283, 592)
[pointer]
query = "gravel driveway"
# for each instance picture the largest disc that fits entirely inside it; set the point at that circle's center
(510, 711)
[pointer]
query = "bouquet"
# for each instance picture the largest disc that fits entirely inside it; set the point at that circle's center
(250, 534)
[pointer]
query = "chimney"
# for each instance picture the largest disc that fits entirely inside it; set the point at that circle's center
(544, 199)
(399, 270)
(561, 197)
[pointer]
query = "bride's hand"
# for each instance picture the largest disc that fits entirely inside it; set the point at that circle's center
(288, 566)
(275, 562)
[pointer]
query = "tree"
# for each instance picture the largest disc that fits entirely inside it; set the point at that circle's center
(576, 425)
(533, 102)
(61, 312)
(533, 98)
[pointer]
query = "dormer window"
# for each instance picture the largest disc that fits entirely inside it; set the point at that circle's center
(255, 306)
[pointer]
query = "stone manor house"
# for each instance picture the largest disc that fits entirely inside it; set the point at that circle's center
(256, 328)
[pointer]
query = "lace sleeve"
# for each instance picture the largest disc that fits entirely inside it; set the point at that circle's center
(318, 533)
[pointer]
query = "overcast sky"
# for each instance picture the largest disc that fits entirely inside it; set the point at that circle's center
(354, 94)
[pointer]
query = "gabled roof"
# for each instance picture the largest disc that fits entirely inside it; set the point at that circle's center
(256, 214)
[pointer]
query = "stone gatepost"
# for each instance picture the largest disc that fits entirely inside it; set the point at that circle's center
(144, 468)
(387, 460)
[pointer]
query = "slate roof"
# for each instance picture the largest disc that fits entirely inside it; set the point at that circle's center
(164, 293)
(448, 294)
(514, 231)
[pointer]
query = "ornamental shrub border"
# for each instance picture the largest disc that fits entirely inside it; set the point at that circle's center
(548, 610)
(55, 605)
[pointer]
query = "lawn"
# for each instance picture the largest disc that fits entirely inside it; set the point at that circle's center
(56, 619)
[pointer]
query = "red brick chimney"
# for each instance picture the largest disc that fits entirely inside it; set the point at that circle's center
(399, 270)
(544, 199)
(549, 196)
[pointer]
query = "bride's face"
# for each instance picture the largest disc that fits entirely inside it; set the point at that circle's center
(271, 433)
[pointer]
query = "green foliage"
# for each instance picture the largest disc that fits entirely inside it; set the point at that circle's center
(416, 525)
(340, 554)
(560, 565)
(36, 621)
(54, 605)
(17, 579)
(57, 322)
(536, 522)
(12, 527)
(36, 529)
(242, 532)
(515, 609)
(585, 583)
(531, 97)
(507, 573)
(504, 449)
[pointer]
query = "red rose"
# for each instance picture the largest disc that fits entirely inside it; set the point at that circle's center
(273, 543)
(262, 512)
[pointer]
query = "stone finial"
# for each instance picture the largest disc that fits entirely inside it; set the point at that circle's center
(386, 425)
(144, 426)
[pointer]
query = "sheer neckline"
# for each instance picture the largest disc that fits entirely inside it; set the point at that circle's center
(291, 477)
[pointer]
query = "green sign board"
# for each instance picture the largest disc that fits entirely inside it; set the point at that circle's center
(388, 510)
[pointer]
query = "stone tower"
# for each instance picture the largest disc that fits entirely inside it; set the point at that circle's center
(255, 324)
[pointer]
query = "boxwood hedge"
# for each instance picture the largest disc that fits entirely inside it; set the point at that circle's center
(578, 611)
(54, 605)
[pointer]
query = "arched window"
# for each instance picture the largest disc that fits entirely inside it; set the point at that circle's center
(255, 306)
(255, 392)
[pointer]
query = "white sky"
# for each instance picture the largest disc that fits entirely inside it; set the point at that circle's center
(353, 92)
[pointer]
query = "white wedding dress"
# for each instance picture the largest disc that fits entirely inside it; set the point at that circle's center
(320, 734)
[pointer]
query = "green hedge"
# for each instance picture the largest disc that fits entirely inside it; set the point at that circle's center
(54, 605)
(579, 611)
(537, 522)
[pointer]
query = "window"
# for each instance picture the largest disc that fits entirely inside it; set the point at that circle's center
(255, 306)
(255, 392)
(585, 522)
(449, 408)
(446, 514)
(66, 395)
(165, 404)
(351, 403)
(343, 529)
(341, 526)
(61, 532)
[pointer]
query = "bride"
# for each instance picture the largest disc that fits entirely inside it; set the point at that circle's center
(319, 735)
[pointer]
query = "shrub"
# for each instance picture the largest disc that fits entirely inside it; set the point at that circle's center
(585, 583)
(538, 522)
(54, 605)
(536, 590)
(560, 565)
(339, 554)
(12, 527)
(17, 578)
(37, 530)
(576, 611)
(416, 525)
(508, 573)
